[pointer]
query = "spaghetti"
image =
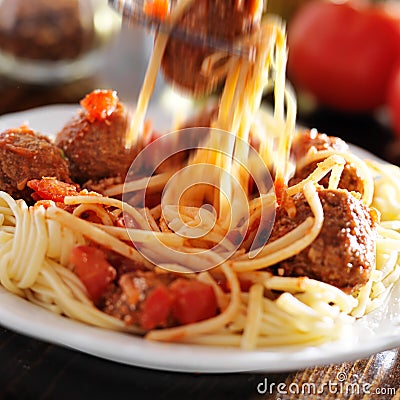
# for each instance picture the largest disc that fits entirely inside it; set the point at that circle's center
(257, 303)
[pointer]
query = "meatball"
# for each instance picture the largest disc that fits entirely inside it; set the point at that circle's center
(305, 140)
(94, 139)
(350, 179)
(343, 254)
(26, 155)
(226, 20)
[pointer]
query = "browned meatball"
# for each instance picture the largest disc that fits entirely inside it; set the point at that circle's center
(94, 142)
(343, 254)
(26, 155)
(226, 20)
(305, 140)
(350, 179)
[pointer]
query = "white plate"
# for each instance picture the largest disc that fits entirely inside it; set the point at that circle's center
(377, 332)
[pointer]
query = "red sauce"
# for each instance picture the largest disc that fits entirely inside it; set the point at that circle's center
(280, 189)
(156, 8)
(100, 104)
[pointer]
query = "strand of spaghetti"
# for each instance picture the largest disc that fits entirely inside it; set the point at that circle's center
(150, 219)
(246, 86)
(316, 301)
(99, 211)
(223, 121)
(293, 306)
(138, 235)
(227, 339)
(212, 65)
(242, 109)
(156, 211)
(36, 248)
(108, 201)
(72, 281)
(22, 227)
(5, 211)
(351, 158)
(75, 309)
(280, 62)
(264, 200)
(280, 243)
(5, 276)
(6, 236)
(323, 325)
(150, 184)
(392, 277)
(251, 88)
(285, 139)
(388, 233)
(253, 318)
(222, 298)
(377, 292)
(21, 263)
(196, 213)
(62, 241)
(95, 234)
(335, 176)
(257, 79)
(387, 193)
(209, 325)
(305, 284)
(322, 169)
(292, 248)
(42, 301)
(226, 145)
(378, 301)
(388, 244)
(237, 109)
(275, 315)
(9, 220)
(146, 91)
(363, 297)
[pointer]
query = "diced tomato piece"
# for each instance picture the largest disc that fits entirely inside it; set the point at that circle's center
(193, 301)
(156, 8)
(100, 104)
(93, 269)
(156, 308)
(52, 189)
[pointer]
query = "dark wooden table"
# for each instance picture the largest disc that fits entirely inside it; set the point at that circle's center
(32, 369)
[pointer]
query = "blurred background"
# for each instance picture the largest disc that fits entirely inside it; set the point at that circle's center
(58, 51)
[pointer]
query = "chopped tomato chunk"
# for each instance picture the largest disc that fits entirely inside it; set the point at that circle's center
(193, 301)
(156, 308)
(156, 8)
(100, 104)
(93, 269)
(52, 189)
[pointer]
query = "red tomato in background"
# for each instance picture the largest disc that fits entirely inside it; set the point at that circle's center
(343, 53)
(393, 100)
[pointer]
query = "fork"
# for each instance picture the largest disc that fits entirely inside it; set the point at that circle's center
(132, 12)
